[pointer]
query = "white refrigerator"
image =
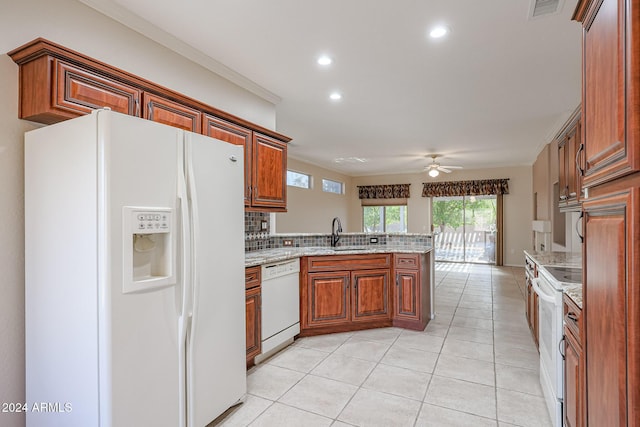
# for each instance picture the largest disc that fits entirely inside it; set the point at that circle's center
(134, 274)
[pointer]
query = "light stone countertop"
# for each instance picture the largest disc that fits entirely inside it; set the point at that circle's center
(268, 256)
(561, 259)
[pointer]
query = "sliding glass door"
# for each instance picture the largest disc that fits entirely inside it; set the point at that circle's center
(464, 228)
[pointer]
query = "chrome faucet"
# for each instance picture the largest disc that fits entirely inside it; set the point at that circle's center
(335, 232)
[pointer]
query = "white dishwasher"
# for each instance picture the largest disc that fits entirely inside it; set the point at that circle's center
(280, 306)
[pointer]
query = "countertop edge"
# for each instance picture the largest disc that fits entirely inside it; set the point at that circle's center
(269, 256)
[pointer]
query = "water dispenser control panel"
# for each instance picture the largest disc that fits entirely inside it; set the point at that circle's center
(152, 222)
(149, 248)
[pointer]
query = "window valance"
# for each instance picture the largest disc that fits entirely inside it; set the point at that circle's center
(479, 187)
(393, 191)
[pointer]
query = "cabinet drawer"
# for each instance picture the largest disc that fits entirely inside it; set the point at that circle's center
(252, 277)
(572, 317)
(348, 262)
(407, 261)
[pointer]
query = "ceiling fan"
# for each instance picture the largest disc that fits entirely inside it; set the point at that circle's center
(434, 168)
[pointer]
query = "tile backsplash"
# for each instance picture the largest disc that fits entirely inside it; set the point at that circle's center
(256, 238)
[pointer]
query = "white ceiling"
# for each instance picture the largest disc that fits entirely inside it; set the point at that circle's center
(490, 94)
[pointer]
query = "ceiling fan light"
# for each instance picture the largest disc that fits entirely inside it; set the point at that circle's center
(433, 173)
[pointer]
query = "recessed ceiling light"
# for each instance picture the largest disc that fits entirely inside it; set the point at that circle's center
(438, 32)
(335, 96)
(325, 60)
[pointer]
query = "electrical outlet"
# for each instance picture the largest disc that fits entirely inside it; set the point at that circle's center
(263, 225)
(373, 240)
(287, 242)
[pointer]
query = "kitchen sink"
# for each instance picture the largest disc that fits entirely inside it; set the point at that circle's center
(351, 248)
(565, 274)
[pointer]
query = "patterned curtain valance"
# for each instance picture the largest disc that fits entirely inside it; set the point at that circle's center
(394, 191)
(466, 188)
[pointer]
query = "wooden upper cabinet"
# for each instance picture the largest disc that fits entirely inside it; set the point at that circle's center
(81, 91)
(237, 135)
(168, 112)
(52, 90)
(57, 83)
(610, 98)
(269, 173)
(570, 168)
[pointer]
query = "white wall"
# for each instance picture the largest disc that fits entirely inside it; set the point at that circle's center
(78, 27)
(518, 204)
(312, 210)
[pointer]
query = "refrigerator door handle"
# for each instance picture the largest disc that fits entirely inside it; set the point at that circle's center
(195, 279)
(185, 309)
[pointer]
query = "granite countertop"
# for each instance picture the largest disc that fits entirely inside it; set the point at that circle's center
(267, 256)
(556, 259)
(574, 291)
(560, 259)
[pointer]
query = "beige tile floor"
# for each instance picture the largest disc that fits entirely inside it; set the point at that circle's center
(474, 365)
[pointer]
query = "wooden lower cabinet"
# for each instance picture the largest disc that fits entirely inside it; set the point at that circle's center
(328, 299)
(253, 313)
(573, 408)
(350, 292)
(411, 295)
(406, 295)
(370, 295)
(342, 293)
(343, 297)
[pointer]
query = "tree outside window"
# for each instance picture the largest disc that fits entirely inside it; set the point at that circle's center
(380, 219)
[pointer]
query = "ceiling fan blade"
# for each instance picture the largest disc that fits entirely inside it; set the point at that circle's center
(451, 167)
(442, 169)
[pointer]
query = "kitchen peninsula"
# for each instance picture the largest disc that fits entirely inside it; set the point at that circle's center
(356, 285)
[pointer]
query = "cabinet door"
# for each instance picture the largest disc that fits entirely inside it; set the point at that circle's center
(611, 298)
(573, 382)
(370, 295)
(269, 174)
(237, 135)
(328, 299)
(253, 326)
(610, 151)
(162, 110)
(80, 91)
(407, 295)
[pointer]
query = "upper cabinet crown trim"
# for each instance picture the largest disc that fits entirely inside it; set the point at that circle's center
(41, 47)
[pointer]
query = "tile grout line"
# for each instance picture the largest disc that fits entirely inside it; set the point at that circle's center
(433, 372)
